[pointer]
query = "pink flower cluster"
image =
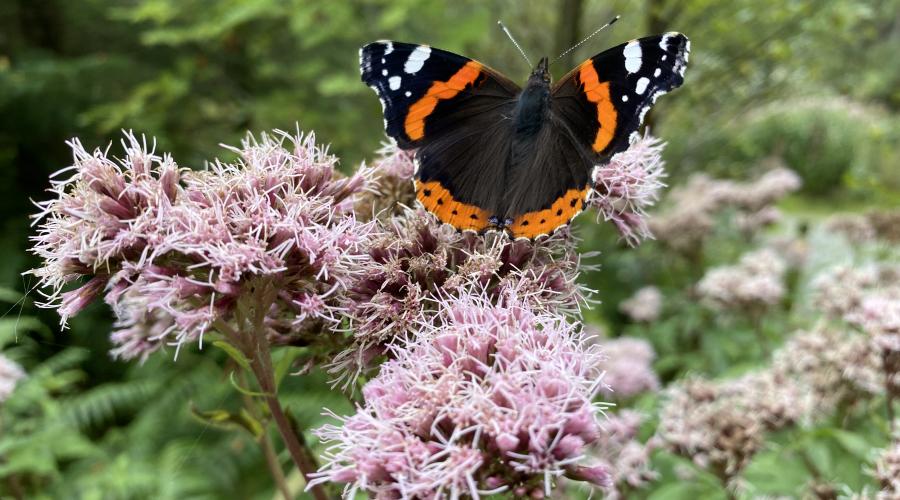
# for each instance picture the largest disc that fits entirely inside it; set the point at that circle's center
(486, 398)
(754, 283)
(175, 250)
(629, 184)
(487, 383)
(626, 458)
(415, 262)
(629, 366)
(693, 207)
(867, 297)
(644, 306)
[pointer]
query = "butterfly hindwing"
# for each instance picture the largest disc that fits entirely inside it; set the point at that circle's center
(603, 100)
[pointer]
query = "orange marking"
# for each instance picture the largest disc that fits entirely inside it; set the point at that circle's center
(415, 118)
(534, 224)
(598, 93)
(438, 200)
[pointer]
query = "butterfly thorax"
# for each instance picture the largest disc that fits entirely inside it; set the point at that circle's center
(533, 103)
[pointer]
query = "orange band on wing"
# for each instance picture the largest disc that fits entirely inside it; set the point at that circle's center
(597, 92)
(438, 200)
(415, 118)
(534, 224)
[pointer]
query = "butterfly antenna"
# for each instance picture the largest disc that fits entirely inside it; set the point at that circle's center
(503, 27)
(598, 30)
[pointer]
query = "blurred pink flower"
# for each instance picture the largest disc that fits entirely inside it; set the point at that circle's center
(10, 375)
(887, 471)
(626, 459)
(644, 306)
(629, 369)
(717, 433)
(629, 184)
(692, 209)
(754, 283)
(835, 367)
(486, 398)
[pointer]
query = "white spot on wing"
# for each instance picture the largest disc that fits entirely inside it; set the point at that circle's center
(656, 72)
(641, 85)
(664, 42)
(394, 82)
(417, 59)
(384, 72)
(408, 94)
(624, 98)
(633, 56)
(388, 48)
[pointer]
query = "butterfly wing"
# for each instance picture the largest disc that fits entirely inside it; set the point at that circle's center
(603, 101)
(451, 109)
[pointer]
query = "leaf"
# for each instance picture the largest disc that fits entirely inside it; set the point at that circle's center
(226, 420)
(284, 359)
(853, 443)
(13, 329)
(244, 390)
(234, 353)
(686, 491)
(9, 295)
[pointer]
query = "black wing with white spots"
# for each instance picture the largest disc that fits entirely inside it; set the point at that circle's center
(603, 101)
(428, 92)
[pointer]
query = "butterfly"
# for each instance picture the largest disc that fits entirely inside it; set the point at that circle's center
(493, 156)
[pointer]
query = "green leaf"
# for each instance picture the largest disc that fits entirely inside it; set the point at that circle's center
(284, 358)
(244, 390)
(13, 329)
(853, 443)
(234, 353)
(687, 491)
(224, 419)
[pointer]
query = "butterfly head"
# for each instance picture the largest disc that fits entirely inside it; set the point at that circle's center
(541, 73)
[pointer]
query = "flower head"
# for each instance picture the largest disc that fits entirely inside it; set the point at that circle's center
(887, 471)
(713, 431)
(693, 208)
(629, 369)
(174, 251)
(415, 262)
(835, 367)
(754, 283)
(629, 184)
(644, 306)
(625, 459)
(392, 188)
(486, 398)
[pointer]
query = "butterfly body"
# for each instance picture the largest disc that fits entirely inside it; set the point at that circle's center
(494, 156)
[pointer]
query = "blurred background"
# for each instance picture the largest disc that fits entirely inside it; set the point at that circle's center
(811, 85)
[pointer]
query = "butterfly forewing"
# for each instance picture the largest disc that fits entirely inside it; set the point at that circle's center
(604, 99)
(426, 91)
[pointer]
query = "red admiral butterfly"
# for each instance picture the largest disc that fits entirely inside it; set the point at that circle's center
(491, 155)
